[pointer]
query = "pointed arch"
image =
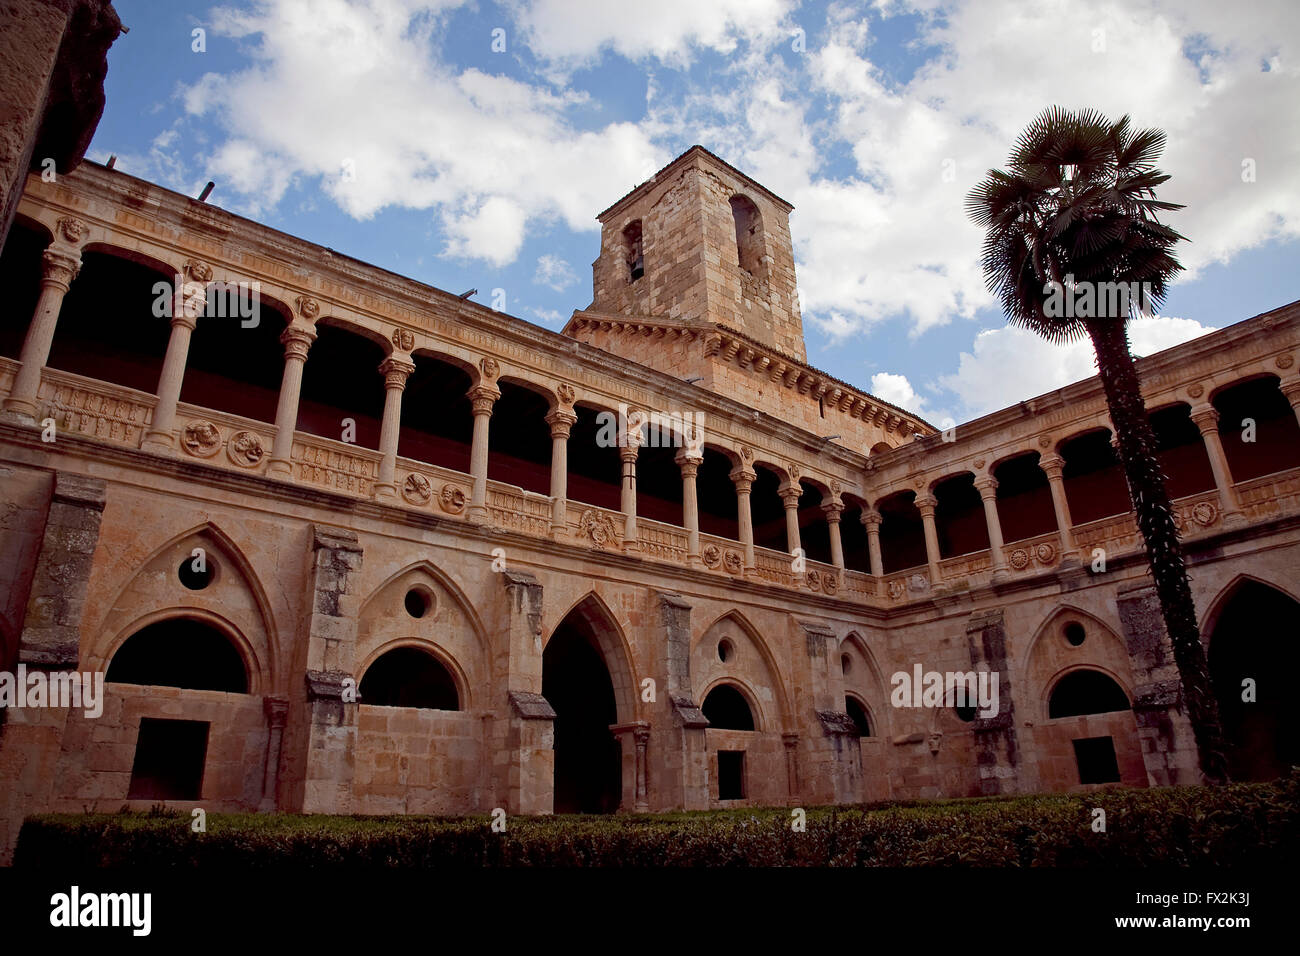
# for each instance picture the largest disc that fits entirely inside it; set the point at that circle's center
(611, 639)
(874, 680)
(781, 697)
(1210, 616)
(1055, 618)
(266, 664)
(443, 579)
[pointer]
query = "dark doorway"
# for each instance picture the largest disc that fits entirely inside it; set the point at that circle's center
(1255, 638)
(576, 683)
(1095, 757)
(731, 775)
(1086, 692)
(409, 677)
(180, 652)
(169, 758)
(725, 708)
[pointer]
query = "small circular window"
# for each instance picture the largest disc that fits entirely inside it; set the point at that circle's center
(726, 651)
(418, 602)
(197, 571)
(965, 713)
(1075, 634)
(846, 663)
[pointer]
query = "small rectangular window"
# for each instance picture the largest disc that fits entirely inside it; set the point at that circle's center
(169, 759)
(1096, 759)
(731, 775)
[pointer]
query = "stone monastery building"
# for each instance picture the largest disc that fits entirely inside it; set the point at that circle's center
(381, 549)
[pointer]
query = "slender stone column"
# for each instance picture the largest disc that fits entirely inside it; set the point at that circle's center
(188, 303)
(482, 398)
(1206, 418)
(743, 479)
(277, 711)
(561, 419)
(59, 266)
(628, 447)
(790, 493)
(871, 521)
(1054, 467)
(926, 505)
(641, 736)
(396, 369)
(988, 489)
(1291, 390)
(297, 339)
(832, 510)
(791, 744)
(690, 466)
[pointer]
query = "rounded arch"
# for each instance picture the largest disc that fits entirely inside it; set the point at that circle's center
(1222, 386)
(734, 615)
(547, 392)
(460, 684)
(611, 641)
(449, 356)
(165, 269)
(746, 694)
(36, 225)
(149, 623)
(1081, 690)
(956, 473)
(356, 326)
(265, 665)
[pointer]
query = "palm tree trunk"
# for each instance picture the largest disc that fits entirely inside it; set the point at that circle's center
(1155, 519)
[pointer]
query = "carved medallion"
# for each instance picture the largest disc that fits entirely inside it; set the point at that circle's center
(198, 270)
(245, 449)
(1284, 361)
(746, 454)
(565, 393)
(1045, 553)
(451, 499)
(403, 339)
(732, 562)
(72, 229)
(830, 582)
(712, 556)
(814, 580)
(489, 367)
(417, 489)
(897, 588)
(918, 583)
(308, 307)
(202, 439)
(1020, 559)
(1195, 390)
(1205, 513)
(599, 527)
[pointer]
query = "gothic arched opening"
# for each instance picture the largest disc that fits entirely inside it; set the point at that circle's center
(577, 684)
(1254, 639)
(725, 708)
(409, 677)
(1086, 692)
(180, 652)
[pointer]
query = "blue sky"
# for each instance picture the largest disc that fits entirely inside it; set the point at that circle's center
(399, 132)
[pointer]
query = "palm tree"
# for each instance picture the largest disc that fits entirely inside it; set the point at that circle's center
(1075, 213)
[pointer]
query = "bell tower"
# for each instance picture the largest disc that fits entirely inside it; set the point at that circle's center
(702, 243)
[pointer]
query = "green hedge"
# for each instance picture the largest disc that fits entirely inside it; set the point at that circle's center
(1238, 825)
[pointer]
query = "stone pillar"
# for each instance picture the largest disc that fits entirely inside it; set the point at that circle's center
(997, 749)
(561, 419)
(520, 742)
(482, 398)
(690, 466)
(189, 301)
(871, 521)
(837, 773)
(1206, 418)
(59, 266)
(791, 744)
(396, 369)
(1168, 742)
(1291, 391)
(628, 447)
(832, 510)
(790, 493)
(276, 710)
(988, 489)
(926, 505)
(633, 740)
(1054, 467)
(296, 339)
(677, 755)
(328, 737)
(743, 479)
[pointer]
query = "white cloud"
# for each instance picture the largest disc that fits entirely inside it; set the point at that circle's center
(897, 390)
(1009, 364)
(554, 272)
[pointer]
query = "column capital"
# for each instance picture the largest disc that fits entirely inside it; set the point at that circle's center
(987, 486)
(870, 519)
(1291, 390)
(297, 339)
(627, 451)
(790, 493)
(482, 398)
(689, 464)
(832, 510)
(561, 419)
(1205, 417)
(1053, 466)
(276, 710)
(926, 503)
(395, 371)
(743, 479)
(59, 267)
